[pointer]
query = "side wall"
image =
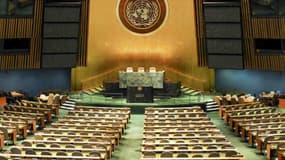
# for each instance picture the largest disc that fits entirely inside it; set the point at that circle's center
(251, 81)
(34, 81)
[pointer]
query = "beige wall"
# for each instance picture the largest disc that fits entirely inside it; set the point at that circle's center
(171, 47)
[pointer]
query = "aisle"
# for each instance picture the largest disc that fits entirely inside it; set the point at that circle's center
(248, 152)
(130, 145)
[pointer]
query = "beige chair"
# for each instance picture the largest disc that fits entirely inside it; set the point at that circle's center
(152, 69)
(140, 69)
(182, 155)
(61, 153)
(149, 155)
(50, 99)
(166, 155)
(15, 150)
(129, 69)
(47, 153)
(214, 154)
(30, 152)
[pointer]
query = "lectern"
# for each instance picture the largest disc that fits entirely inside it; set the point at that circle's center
(140, 95)
(140, 85)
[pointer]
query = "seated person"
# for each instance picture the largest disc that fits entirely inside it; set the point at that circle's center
(43, 98)
(16, 94)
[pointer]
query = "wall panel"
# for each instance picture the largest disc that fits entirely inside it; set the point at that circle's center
(23, 28)
(261, 27)
(252, 27)
(82, 53)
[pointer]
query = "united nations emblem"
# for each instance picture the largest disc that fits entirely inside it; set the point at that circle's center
(142, 16)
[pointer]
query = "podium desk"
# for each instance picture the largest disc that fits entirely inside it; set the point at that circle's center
(141, 79)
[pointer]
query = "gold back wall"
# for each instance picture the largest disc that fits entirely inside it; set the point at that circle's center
(172, 47)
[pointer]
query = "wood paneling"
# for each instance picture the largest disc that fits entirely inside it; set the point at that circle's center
(23, 28)
(261, 27)
(253, 27)
(200, 31)
(82, 55)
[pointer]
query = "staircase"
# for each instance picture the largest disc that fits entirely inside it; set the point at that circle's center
(69, 104)
(212, 106)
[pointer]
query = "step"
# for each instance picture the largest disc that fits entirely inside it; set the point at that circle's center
(195, 93)
(94, 91)
(69, 102)
(67, 108)
(68, 105)
(190, 91)
(209, 103)
(212, 109)
(100, 89)
(213, 106)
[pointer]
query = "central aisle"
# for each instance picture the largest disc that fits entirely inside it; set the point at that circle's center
(130, 145)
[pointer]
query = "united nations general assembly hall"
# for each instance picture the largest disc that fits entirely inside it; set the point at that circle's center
(142, 79)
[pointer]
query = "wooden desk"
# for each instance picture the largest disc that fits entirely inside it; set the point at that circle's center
(282, 103)
(3, 101)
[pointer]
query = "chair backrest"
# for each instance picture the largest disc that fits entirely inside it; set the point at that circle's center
(76, 153)
(197, 147)
(26, 143)
(65, 139)
(149, 147)
(230, 153)
(55, 145)
(168, 148)
(69, 146)
(152, 69)
(30, 152)
(41, 145)
(61, 153)
(182, 155)
(86, 145)
(129, 69)
(140, 69)
(149, 154)
(94, 154)
(197, 156)
(15, 150)
(182, 148)
(45, 153)
(214, 154)
(51, 139)
(166, 154)
(212, 147)
(56, 99)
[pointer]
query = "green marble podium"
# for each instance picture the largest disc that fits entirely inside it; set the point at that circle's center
(141, 79)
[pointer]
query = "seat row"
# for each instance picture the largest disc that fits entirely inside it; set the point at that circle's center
(261, 126)
(168, 135)
(16, 122)
(84, 136)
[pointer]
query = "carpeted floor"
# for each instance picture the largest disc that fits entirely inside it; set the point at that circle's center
(130, 145)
